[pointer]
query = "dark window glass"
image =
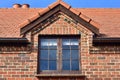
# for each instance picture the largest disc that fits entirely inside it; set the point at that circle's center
(65, 54)
(74, 54)
(56, 52)
(52, 65)
(75, 65)
(43, 64)
(70, 53)
(65, 65)
(52, 54)
(44, 54)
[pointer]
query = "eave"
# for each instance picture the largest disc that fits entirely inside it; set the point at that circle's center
(14, 40)
(109, 41)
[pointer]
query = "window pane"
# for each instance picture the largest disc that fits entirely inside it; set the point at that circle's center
(53, 43)
(43, 65)
(65, 54)
(52, 54)
(44, 43)
(66, 65)
(74, 54)
(52, 65)
(75, 65)
(49, 54)
(43, 54)
(65, 44)
(74, 43)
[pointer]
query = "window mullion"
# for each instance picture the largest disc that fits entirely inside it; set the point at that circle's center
(58, 61)
(60, 54)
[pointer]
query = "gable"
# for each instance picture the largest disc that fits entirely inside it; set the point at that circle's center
(66, 9)
(60, 24)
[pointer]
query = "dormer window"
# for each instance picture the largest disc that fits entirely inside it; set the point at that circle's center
(57, 54)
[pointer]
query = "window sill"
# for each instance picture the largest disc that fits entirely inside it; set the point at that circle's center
(60, 75)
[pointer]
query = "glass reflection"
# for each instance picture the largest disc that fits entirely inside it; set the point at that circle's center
(65, 43)
(53, 43)
(44, 43)
(74, 43)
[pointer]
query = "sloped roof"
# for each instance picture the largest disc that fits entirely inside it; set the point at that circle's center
(12, 20)
(60, 6)
(108, 18)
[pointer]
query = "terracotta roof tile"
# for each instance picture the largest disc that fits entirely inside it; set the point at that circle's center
(10, 19)
(44, 11)
(107, 20)
(53, 5)
(94, 23)
(85, 17)
(65, 5)
(24, 23)
(34, 17)
(75, 11)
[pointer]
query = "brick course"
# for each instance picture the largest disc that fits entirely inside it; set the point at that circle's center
(94, 65)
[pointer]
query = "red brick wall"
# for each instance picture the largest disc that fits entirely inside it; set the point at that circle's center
(18, 66)
(101, 66)
(94, 64)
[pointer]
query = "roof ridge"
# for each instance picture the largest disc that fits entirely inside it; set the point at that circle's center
(60, 2)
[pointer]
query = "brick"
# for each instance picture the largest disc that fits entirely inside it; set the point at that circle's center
(102, 58)
(24, 75)
(93, 63)
(3, 72)
(93, 69)
(107, 79)
(3, 66)
(98, 79)
(111, 63)
(95, 76)
(111, 69)
(29, 79)
(15, 75)
(24, 70)
(90, 72)
(116, 78)
(2, 79)
(11, 72)
(10, 79)
(117, 69)
(20, 79)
